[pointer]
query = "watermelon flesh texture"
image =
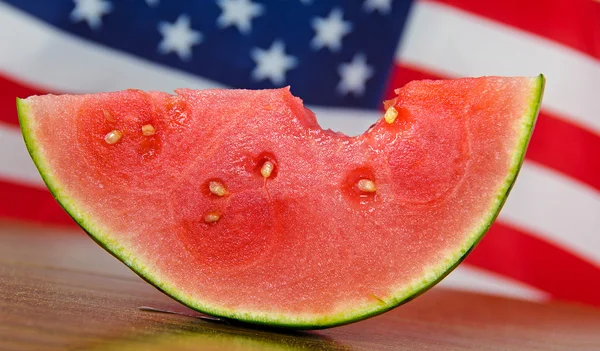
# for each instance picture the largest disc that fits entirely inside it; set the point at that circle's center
(304, 247)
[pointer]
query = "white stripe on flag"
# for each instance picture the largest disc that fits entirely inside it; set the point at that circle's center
(565, 211)
(467, 277)
(15, 164)
(348, 121)
(448, 41)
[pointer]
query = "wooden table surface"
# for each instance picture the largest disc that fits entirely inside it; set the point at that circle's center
(60, 291)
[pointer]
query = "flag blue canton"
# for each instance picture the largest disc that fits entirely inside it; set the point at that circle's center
(331, 53)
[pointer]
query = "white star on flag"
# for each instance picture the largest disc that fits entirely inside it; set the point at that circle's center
(272, 63)
(330, 30)
(152, 3)
(238, 13)
(90, 11)
(354, 75)
(178, 37)
(382, 6)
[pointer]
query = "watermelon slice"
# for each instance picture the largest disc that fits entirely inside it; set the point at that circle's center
(237, 204)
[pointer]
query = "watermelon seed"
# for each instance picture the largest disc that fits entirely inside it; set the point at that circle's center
(108, 116)
(267, 168)
(148, 130)
(378, 299)
(212, 217)
(390, 115)
(113, 137)
(217, 188)
(366, 185)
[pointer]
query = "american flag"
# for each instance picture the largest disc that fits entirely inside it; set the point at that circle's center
(343, 58)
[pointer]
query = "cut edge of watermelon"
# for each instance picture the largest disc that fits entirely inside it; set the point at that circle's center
(400, 296)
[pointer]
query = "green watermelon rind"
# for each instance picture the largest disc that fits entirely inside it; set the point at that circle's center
(432, 275)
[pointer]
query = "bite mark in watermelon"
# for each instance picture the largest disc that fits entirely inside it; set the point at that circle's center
(237, 204)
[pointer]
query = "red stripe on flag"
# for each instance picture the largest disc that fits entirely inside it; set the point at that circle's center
(567, 148)
(555, 143)
(10, 90)
(574, 23)
(402, 74)
(30, 204)
(519, 255)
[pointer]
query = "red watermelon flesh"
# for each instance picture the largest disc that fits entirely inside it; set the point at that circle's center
(304, 247)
